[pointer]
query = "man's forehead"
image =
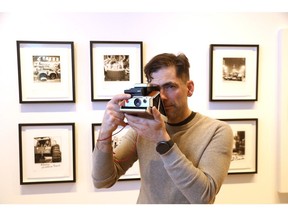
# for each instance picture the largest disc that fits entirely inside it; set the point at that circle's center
(164, 74)
(166, 83)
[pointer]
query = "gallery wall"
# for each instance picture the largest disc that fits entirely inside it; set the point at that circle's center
(191, 33)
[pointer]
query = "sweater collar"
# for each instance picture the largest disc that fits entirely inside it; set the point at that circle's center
(185, 121)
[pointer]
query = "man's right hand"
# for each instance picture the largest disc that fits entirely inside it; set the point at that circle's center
(113, 117)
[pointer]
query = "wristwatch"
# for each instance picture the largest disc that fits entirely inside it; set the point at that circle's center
(164, 146)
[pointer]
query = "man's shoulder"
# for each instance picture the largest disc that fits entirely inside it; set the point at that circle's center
(209, 120)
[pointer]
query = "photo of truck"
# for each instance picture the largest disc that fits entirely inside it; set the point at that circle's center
(47, 150)
(46, 68)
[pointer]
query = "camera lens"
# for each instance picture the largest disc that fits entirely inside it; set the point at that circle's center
(137, 102)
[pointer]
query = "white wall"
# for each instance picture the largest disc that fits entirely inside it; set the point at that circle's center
(191, 33)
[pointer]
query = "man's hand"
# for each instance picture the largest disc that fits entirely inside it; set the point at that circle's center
(113, 117)
(152, 129)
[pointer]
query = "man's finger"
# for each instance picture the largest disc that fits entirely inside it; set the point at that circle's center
(120, 97)
(156, 114)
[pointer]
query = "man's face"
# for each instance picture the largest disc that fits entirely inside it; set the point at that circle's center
(173, 93)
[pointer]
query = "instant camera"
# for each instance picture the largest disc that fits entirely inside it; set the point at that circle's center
(143, 98)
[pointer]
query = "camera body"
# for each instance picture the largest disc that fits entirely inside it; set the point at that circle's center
(143, 98)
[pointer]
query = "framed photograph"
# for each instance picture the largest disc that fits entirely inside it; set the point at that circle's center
(115, 66)
(244, 158)
(46, 71)
(133, 173)
(233, 72)
(47, 153)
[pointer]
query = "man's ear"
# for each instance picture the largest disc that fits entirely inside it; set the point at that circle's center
(190, 87)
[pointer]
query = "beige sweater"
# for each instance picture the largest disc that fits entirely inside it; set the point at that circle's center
(192, 171)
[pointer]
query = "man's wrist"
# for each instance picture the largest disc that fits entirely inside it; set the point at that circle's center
(104, 146)
(104, 142)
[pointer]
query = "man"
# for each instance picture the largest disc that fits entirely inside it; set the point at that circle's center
(183, 160)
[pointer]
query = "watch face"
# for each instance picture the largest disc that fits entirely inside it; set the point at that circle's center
(162, 147)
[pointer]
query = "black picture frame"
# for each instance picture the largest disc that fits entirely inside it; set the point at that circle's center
(47, 153)
(114, 63)
(245, 150)
(133, 173)
(46, 71)
(234, 72)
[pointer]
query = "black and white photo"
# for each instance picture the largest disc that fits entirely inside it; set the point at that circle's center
(46, 68)
(47, 149)
(116, 68)
(234, 69)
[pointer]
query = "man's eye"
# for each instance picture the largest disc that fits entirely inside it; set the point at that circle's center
(170, 86)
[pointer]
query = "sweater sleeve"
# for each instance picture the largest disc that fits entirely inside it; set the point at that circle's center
(200, 180)
(107, 168)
